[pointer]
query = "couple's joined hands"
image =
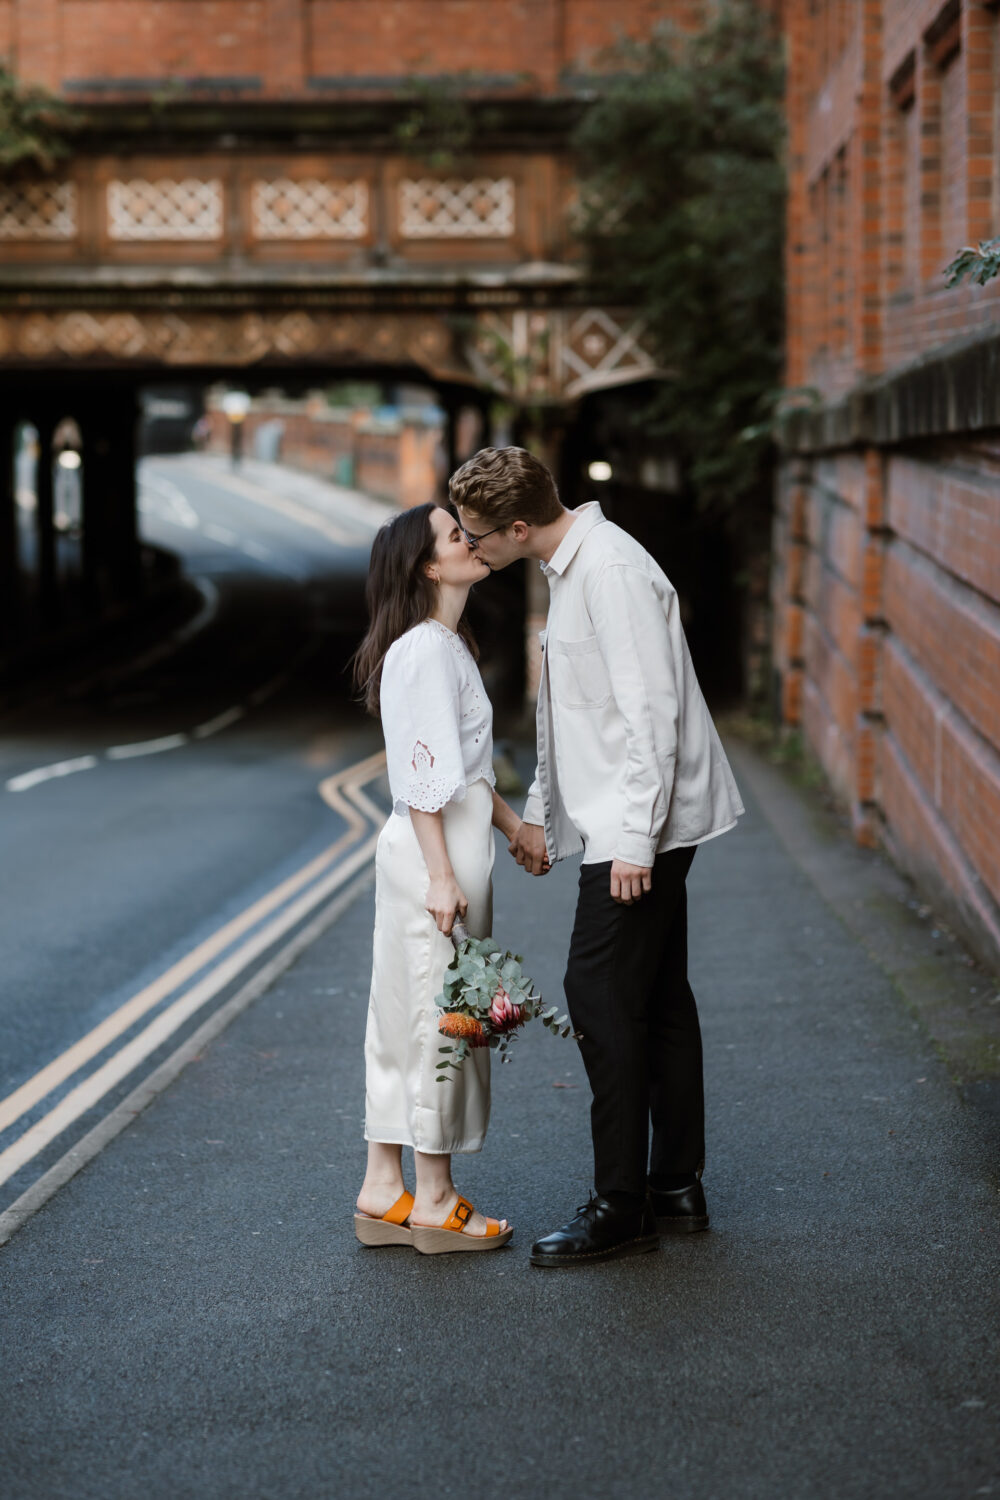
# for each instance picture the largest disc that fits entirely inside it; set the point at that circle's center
(527, 845)
(446, 900)
(629, 883)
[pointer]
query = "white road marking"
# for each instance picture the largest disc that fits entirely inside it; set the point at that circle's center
(267, 690)
(25, 780)
(146, 747)
(28, 779)
(221, 721)
(220, 534)
(317, 882)
(174, 504)
(254, 549)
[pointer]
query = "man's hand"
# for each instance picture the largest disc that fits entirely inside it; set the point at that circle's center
(629, 882)
(528, 848)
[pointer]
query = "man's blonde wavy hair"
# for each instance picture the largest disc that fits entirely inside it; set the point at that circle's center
(503, 485)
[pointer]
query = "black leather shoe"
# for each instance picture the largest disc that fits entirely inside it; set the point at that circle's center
(598, 1232)
(680, 1211)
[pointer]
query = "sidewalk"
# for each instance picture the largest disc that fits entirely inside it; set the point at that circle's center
(191, 1316)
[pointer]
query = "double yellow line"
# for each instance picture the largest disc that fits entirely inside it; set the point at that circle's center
(292, 900)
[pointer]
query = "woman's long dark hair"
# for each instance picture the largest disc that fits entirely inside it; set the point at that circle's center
(399, 595)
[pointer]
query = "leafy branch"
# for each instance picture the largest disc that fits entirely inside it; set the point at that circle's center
(978, 265)
(34, 124)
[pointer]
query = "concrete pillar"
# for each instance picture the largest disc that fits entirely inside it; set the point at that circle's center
(48, 588)
(9, 568)
(95, 455)
(121, 521)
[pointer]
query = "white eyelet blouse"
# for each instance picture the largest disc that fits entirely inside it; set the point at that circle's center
(436, 719)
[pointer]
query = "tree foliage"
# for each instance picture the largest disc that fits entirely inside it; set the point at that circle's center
(34, 125)
(682, 206)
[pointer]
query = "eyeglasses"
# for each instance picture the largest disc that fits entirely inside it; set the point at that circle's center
(473, 540)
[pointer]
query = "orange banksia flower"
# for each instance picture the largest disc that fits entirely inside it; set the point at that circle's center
(463, 1029)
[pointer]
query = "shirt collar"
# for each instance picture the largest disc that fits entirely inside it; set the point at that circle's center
(585, 518)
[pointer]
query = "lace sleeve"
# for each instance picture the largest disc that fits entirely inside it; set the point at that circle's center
(420, 694)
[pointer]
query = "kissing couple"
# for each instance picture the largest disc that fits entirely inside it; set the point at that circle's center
(630, 771)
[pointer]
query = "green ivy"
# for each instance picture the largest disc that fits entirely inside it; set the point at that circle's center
(443, 124)
(682, 214)
(34, 125)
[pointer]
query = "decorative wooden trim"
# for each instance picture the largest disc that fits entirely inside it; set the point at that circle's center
(943, 38)
(903, 83)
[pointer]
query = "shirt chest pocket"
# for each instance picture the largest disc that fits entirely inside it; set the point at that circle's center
(579, 676)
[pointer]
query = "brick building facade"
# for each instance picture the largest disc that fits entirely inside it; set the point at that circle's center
(886, 578)
(320, 49)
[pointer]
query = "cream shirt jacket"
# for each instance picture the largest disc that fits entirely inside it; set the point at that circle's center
(629, 761)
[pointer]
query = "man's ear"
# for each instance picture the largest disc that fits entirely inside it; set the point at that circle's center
(519, 530)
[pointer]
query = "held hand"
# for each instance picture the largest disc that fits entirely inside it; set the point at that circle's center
(528, 848)
(629, 882)
(446, 901)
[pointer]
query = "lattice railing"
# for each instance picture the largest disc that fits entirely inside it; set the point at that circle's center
(431, 208)
(38, 211)
(165, 209)
(286, 208)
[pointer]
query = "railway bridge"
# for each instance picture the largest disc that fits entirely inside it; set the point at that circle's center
(261, 196)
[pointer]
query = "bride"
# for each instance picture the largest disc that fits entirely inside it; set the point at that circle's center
(416, 667)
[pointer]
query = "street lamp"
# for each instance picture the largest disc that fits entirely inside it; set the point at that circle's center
(235, 405)
(599, 470)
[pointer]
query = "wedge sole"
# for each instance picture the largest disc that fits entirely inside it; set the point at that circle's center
(430, 1241)
(376, 1232)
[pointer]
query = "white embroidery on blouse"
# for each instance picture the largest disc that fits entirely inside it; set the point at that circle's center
(422, 760)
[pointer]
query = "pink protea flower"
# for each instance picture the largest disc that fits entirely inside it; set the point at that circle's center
(505, 1015)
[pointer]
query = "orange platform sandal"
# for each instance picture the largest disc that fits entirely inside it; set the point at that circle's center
(391, 1229)
(451, 1236)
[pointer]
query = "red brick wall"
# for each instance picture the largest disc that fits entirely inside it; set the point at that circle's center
(886, 579)
(153, 38)
(920, 170)
(286, 43)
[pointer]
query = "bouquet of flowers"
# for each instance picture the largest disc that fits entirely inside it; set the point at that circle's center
(486, 1000)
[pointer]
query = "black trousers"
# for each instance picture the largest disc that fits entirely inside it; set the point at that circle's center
(628, 993)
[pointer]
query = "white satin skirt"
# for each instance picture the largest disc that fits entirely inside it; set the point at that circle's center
(404, 1103)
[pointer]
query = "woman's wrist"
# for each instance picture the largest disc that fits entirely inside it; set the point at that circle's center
(505, 819)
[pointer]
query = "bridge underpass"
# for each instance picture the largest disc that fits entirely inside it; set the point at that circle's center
(80, 372)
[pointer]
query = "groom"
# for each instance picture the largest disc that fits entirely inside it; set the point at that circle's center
(631, 770)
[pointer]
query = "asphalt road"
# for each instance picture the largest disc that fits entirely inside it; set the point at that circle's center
(187, 790)
(191, 1316)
